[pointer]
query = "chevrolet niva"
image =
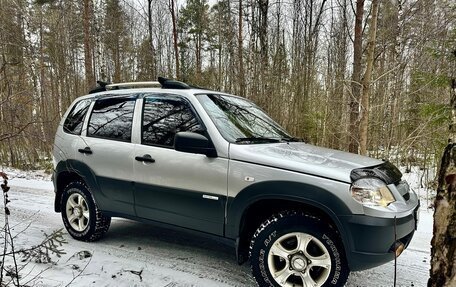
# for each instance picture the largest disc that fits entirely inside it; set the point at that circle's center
(215, 163)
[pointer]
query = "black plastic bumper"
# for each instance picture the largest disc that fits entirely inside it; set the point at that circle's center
(371, 238)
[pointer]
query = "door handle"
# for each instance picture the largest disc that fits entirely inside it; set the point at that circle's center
(145, 158)
(85, 150)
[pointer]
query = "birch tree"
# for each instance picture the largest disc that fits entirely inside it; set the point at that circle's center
(443, 252)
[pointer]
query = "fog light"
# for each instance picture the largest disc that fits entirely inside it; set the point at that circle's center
(398, 248)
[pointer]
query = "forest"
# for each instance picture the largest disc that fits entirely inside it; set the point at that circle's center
(369, 77)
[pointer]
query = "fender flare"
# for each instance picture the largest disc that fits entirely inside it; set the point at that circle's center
(303, 193)
(80, 169)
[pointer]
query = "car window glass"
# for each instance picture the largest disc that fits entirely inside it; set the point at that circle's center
(112, 118)
(163, 117)
(239, 118)
(75, 119)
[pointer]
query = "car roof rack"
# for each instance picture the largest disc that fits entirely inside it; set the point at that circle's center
(172, 84)
(132, 85)
(101, 87)
(164, 83)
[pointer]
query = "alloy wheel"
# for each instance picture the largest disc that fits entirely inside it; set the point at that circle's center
(77, 212)
(299, 259)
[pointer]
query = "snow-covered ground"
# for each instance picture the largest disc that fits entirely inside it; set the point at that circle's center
(136, 254)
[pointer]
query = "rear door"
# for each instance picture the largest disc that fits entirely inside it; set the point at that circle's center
(178, 188)
(108, 152)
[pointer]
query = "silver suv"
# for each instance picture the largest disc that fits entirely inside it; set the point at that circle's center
(216, 163)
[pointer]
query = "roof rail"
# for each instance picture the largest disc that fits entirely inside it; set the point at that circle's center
(163, 82)
(101, 87)
(172, 84)
(131, 85)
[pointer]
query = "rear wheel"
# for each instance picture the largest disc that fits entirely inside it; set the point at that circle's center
(295, 249)
(81, 216)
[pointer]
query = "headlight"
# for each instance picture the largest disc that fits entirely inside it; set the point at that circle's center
(371, 192)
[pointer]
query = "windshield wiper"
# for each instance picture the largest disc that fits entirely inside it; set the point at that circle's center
(292, 139)
(257, 140)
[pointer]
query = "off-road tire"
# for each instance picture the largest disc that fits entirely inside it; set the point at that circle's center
(97, 225)
(293, 222)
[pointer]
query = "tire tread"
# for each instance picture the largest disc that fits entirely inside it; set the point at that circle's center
(102, 222)
(288, 214)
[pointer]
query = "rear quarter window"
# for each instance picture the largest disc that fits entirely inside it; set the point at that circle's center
(75, 119)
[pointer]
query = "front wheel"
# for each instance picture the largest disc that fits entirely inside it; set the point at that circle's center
(295, 249)
(80, 214)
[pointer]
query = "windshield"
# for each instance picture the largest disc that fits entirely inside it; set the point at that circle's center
(241, 121)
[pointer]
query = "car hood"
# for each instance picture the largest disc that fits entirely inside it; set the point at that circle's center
(305, 158)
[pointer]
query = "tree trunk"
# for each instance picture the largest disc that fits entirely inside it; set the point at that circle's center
(443, 252)
(117, 62)
(240, 57)
(90, 78)
(263, 7)
(364, 122)
(198, 50)
(176, 49)
(151, 40)
(356, 78)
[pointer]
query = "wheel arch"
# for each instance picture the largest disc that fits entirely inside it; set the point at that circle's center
(69, 171)
(258, 202)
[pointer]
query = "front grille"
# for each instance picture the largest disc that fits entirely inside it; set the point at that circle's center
(404, 189)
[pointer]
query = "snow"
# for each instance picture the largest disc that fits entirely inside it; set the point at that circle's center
(418, 180)
(32, 179)
(166, 257)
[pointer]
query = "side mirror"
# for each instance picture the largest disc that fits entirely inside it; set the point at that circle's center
(194, 143)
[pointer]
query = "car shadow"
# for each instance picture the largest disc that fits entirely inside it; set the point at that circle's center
(198, 250)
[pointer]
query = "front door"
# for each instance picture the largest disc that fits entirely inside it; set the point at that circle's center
(178, 188)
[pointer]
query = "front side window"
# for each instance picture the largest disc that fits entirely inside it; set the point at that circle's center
(75, 119)
(241, 121)
(164, 116)
(112, 118)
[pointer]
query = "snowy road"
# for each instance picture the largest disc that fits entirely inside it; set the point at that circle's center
(167, 258)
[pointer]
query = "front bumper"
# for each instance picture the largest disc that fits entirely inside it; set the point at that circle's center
(372, 238)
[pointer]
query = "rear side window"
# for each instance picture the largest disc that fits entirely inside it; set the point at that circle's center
(112, 118)
(163, 117)
(75, 119)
